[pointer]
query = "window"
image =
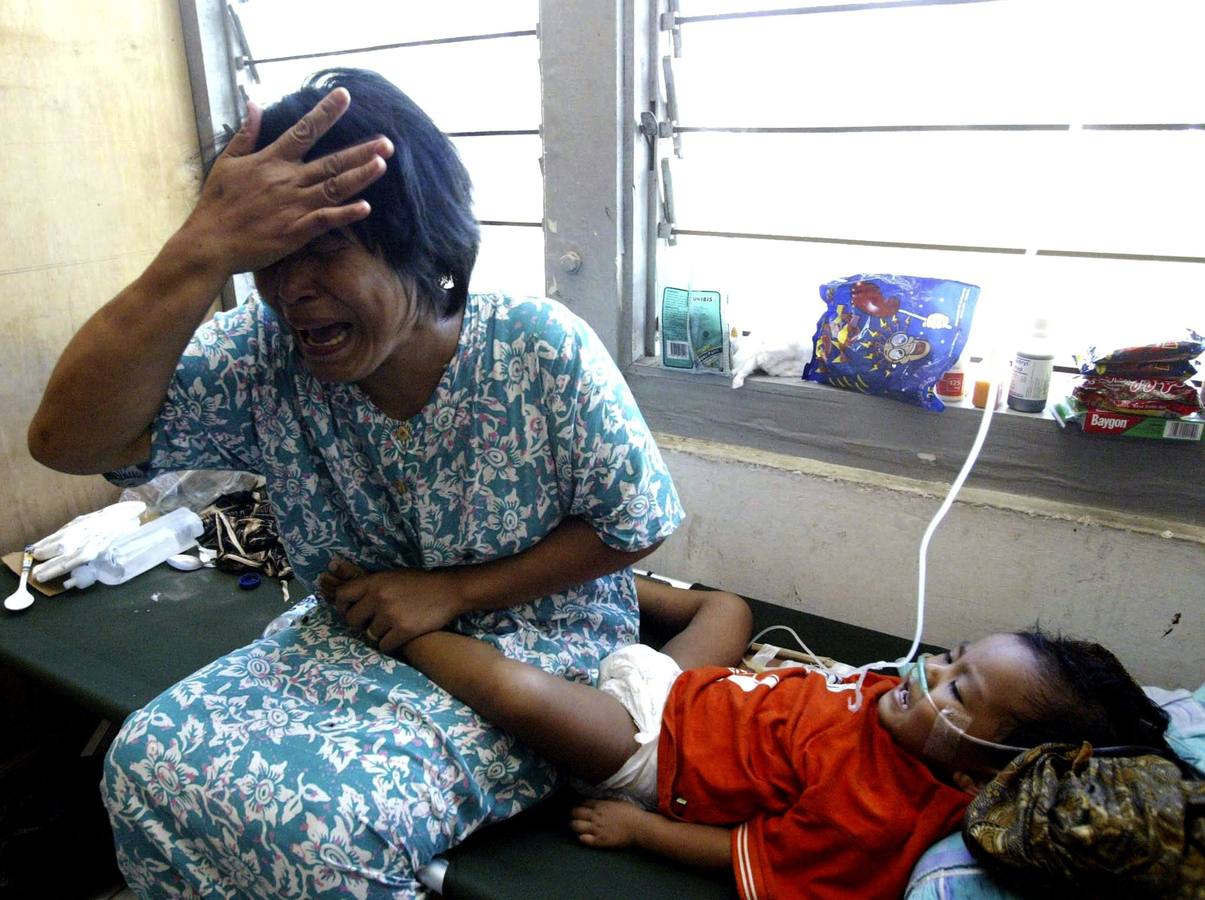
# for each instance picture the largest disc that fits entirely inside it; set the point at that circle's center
(472, 65)
(1046, 150)
(1042, 149)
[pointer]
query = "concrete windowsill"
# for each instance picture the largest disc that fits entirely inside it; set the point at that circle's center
(1025, 453)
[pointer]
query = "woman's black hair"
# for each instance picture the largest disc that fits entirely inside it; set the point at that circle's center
(1087, 695)
(422, 221)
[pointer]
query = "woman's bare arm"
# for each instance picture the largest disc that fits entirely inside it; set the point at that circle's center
(401, 604)
(111, 380)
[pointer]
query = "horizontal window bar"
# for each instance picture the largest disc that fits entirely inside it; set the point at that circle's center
(535, 132)
(836, 7)
(427, 43)
(884, 129)
(854, 242)
(1139, 257)
(1178, 126)
(510, 224)
(957, 248)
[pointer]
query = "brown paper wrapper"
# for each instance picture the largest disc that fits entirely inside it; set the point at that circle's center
(13, 561)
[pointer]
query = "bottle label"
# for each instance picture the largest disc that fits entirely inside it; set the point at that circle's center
(951, 385)
(1031, 378)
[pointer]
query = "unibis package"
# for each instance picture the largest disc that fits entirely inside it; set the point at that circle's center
(694, 330)
(892, 335)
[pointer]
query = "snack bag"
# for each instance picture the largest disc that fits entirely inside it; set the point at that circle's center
(892, 335)
(1169, 360)
(693, 331)
(1165, 370)
(1168, 399)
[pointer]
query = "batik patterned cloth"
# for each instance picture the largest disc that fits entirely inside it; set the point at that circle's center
(307, 762)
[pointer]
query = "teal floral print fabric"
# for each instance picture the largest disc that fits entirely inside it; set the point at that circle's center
(308, 763)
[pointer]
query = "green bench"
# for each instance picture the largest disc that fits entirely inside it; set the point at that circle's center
(113, 649)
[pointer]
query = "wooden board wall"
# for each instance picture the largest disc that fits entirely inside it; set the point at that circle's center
(98, 165)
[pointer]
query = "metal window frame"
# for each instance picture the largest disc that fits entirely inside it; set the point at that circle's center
(210, 51)
(1025, 454)
(599, 63)
(595, 79)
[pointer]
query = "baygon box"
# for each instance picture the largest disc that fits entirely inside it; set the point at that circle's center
(1092, 420)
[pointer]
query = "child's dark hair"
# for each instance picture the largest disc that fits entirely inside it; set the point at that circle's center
(422, 220)
(1087, 695)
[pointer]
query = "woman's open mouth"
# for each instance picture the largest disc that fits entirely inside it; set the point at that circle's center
(323, 339)
(902, 695)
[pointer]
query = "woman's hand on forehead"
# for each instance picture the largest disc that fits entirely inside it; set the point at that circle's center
(259, 206)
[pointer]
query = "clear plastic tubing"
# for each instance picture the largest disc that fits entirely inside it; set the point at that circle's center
(140, 550)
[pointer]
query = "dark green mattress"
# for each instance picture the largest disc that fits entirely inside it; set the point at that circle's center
(113, 649)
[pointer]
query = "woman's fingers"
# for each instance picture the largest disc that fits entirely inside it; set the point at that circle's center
(347, 594)
(243, 142)
(335, 164)
(355, 614)
(329, 218)
(309, 129)
(327, 199)
(340, 187)
(343, 570)
(391, 640)
(328, 584)
(337, 572)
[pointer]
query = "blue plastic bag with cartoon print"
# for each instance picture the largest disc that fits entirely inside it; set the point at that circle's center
(891, 335)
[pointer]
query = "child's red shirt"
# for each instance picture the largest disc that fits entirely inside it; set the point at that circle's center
(826, 803)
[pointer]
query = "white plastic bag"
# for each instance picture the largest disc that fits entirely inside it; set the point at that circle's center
(194, 488)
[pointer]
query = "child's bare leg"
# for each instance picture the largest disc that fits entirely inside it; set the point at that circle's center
(573, 725)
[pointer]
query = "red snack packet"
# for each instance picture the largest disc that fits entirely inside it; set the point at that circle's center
(1169, 399)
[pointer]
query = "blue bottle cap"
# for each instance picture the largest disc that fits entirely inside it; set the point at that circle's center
(248, 582)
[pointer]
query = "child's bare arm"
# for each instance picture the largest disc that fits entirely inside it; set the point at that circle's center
(614, 823)
(712, 627)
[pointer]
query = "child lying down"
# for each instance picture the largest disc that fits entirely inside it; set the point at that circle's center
(771, 774)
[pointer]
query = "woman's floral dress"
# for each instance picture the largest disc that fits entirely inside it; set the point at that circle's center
(307, 762)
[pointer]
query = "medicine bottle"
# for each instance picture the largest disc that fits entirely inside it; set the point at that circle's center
(1032, 366)
(983, 387)
(952, 384)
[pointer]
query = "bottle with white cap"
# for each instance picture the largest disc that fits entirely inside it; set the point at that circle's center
(952, 384)
(1031, 371)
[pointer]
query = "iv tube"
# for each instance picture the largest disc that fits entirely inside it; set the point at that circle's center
(922, 559)
(968, 464)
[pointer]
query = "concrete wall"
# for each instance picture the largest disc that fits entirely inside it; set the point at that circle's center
(98, 165)
(843, 543)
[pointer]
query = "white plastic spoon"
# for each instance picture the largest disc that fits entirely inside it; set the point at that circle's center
(185, 562)
(21, 598)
